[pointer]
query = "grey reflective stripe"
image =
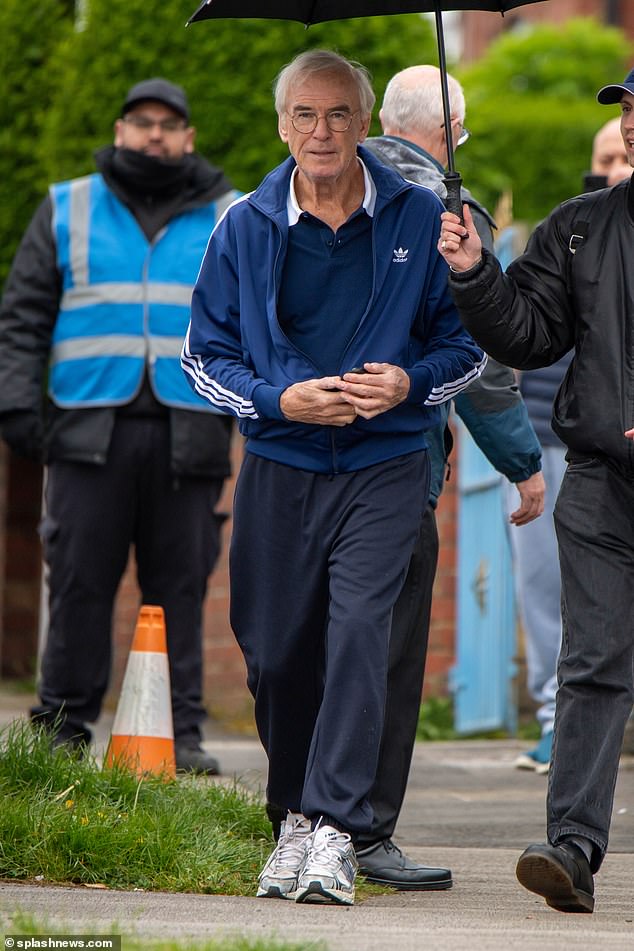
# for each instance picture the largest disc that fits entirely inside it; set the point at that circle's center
(223, 203)
(166, 346)
(78, 226)
(127, 293)
(82, 348)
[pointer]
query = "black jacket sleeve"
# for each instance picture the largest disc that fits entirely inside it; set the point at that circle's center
(523, 318)
(28, 312)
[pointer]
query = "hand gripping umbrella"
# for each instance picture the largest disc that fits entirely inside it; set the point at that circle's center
(320, 11)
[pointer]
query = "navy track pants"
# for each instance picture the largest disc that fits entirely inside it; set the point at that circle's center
(317, 563)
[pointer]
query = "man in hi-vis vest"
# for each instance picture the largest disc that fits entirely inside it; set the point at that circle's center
(95, 310)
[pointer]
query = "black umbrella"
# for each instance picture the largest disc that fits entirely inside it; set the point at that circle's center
(319, 11)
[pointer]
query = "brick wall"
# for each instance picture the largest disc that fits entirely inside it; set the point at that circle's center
(21, 495)
(480, 28)
(442, 633)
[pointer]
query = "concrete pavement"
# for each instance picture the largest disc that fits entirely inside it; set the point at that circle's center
(467, 807)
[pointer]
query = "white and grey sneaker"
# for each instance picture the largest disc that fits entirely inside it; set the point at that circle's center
(329, 868)
(278, 878)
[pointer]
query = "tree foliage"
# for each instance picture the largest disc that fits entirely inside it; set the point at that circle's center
(226, 66)
(531, 98)
(532, 109)
(30, 30)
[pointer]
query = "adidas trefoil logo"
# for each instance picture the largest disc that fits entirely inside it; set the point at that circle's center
(400, 255)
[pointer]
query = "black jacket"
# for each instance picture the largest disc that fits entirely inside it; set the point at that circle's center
(31, 424)
(539, 389)
(572, 288)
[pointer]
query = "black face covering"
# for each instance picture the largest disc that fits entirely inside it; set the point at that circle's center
(151, 175)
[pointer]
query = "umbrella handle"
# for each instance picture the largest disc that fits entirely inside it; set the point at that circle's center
(453, 201)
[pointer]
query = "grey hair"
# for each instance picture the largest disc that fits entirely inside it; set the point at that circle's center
(413, 100)
(314, 61)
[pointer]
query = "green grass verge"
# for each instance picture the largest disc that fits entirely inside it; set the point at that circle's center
(67, 820)
(436, 722)
(24, 924)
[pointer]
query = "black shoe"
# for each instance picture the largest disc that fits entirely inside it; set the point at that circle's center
(560, 874)
(78, 743)
(193, 759)
(61, 733)
(385, 864)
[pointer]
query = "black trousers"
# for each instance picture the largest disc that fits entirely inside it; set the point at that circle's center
(93, 514)
(595, 531)
(409, 637)
(317, 563)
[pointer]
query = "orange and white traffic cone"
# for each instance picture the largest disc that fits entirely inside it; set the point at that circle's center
(143, 732)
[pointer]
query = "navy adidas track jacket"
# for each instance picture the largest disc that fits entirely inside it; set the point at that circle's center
(237, 356)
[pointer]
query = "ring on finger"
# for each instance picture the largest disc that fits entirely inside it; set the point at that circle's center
(443, 244)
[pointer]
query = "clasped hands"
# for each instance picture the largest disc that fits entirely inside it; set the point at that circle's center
(337, 401)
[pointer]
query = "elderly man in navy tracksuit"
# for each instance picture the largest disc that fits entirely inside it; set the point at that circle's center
(328, 267)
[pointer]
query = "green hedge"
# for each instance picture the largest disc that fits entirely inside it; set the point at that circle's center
(530, 99)
(531, 106)
(30, 30)
(226, 66)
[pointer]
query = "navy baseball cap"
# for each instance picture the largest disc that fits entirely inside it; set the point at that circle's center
(159, 90)
(610, 95)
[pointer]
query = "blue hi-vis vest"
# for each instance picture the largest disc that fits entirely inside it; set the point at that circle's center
(125, 301)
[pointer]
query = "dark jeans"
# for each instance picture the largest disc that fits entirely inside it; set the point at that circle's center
(317, 563)
(408, 652)
(93, 514)
(594, 519)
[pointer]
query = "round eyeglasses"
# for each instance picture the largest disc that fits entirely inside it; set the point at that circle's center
(144, 123)
(305, 121)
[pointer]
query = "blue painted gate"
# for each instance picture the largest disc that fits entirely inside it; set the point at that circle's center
(482, 679)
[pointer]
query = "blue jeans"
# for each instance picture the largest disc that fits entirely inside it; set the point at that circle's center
(538, 588)
(595, 531)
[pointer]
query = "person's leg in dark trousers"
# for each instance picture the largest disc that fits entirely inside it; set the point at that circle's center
(380, 859)
(595, 531)
(86, 531)
(368, 562)
(408, 652)
(319, 560)
(177, 541)
(279, 591)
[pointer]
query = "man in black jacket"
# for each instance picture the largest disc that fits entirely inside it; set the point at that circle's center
(96, 307)
(572, 288)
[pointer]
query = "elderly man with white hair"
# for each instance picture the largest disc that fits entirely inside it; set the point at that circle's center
(321, 319)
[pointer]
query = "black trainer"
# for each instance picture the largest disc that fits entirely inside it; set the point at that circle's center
(62, 733)
(560, 874)
(384, 864)
(193, 759)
